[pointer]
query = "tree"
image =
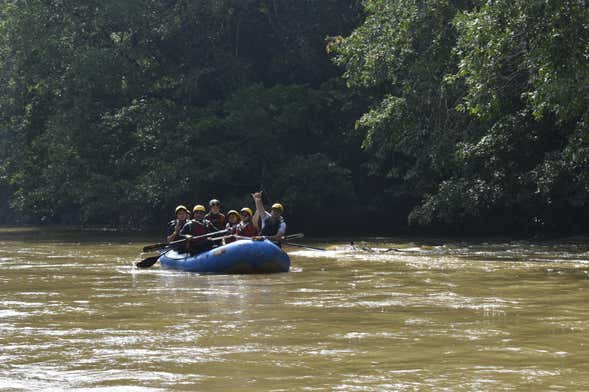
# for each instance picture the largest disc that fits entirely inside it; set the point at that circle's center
(525, 68)
(399, 57)
(123, 109)
(479, 110)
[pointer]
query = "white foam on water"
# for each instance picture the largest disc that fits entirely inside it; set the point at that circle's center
(9, 313)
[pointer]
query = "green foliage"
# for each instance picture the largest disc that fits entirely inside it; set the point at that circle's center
(468, 114)
(123, 109)
(531, 54)
(525, 66)
(399, 56)
(479, 109)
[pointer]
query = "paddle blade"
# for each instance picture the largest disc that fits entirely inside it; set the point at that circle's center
(148, 262)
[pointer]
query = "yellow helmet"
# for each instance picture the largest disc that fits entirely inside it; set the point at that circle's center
(278, 206)
(232, 212)
(199, 207)
(248, 210)
(180, 208)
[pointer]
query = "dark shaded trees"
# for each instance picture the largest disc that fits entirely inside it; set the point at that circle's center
(122, 109)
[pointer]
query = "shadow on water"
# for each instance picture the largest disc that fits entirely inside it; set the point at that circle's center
(74, 234)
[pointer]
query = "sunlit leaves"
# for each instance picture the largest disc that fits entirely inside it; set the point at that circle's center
(483, 103)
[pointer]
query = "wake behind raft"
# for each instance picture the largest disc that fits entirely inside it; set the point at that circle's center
(239, 257)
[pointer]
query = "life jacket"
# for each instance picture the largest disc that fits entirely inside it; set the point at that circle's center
(217, 220)
(196, 228)
(247, 229)
(182, 223)
(271, 226)
(232, 230)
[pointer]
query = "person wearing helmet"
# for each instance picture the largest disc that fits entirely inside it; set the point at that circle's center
(215, 216)
(175, 226)
(232, 223)
(196, 227)
(246, 227)
(272, 224)
(233, 220)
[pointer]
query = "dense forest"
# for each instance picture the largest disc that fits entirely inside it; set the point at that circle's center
(376, 116)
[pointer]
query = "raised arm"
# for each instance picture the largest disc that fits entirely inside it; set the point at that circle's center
(259, 205)
(256, 220)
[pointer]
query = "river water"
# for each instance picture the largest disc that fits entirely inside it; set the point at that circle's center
(433, 315)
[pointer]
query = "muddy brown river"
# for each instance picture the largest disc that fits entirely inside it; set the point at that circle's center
(476, 315)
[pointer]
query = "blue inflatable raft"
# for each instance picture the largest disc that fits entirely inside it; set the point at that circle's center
(239, 257)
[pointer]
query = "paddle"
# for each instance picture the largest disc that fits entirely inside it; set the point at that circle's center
(294, 236)
(161, 245)
(304, 246)
(148, 262)
(240, 237)
(149, 248)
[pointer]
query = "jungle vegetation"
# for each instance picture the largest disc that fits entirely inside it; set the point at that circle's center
(375, 116)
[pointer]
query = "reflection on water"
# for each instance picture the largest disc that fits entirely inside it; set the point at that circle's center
(383, 315)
